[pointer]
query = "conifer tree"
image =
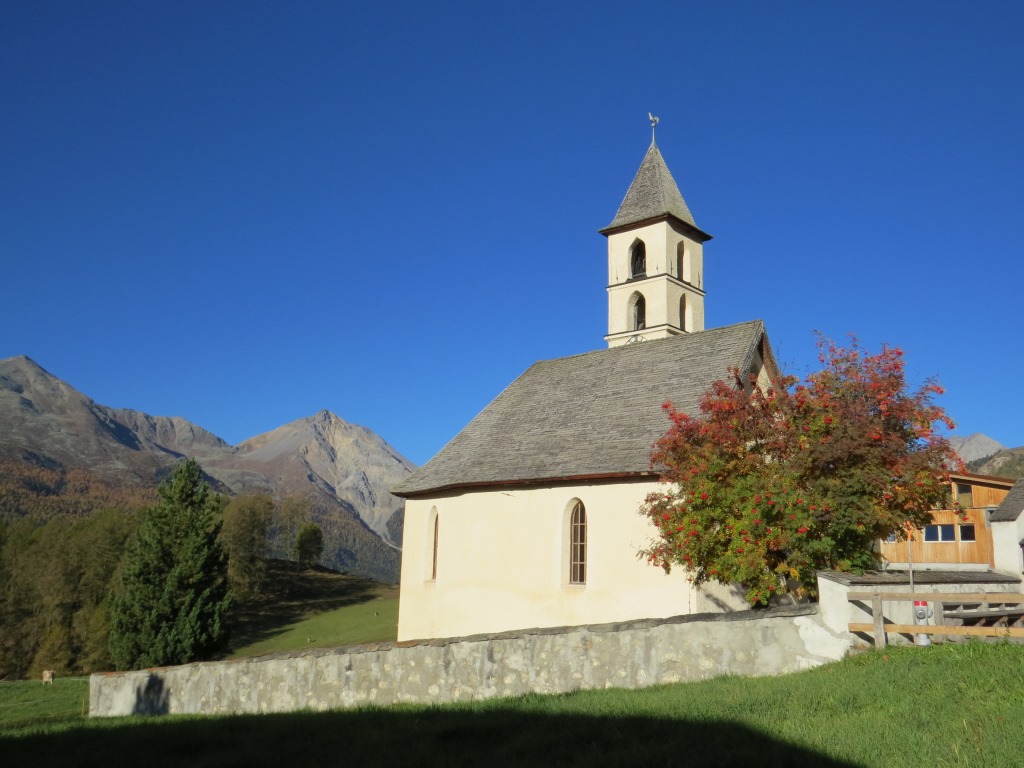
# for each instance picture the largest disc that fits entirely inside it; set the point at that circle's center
(174, 586)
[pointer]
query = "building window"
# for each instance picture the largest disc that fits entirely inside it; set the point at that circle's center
(940, 533)
(682, 312)
(964, 495)
(681, 271)
(578, 545)
(967, 532)
(432, 538)
(433, 566)
(637, 310)
(638, 259)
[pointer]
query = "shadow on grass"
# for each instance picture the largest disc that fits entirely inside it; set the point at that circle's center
(290, 596)
(433, 737)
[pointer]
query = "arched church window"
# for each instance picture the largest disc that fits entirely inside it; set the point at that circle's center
(637, 310)
(638, 259)
(578, 545)
(681, 267)
(433, 567)
(682, 312)
(432, 526)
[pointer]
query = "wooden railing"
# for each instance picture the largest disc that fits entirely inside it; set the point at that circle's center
(991, 614)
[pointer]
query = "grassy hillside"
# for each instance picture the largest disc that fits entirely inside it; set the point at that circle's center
(313, 609)
(949, 705)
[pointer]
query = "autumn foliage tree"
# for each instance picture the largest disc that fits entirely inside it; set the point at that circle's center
(768, 487)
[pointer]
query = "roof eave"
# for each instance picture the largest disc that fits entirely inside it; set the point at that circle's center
(695, 232)
(533, 481)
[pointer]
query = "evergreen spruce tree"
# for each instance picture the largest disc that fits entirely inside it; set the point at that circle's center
(174, 598)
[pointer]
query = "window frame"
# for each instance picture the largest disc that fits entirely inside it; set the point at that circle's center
(578, 544)
(940, 530)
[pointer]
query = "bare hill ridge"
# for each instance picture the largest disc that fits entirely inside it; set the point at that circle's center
(975, 446)
(344, 469)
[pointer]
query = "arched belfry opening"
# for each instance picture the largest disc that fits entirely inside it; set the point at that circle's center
(637, 312)
(638, 259)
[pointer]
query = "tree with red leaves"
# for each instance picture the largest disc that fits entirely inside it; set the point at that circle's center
(769, 486)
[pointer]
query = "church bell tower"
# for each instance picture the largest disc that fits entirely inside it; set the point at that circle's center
(655, 259)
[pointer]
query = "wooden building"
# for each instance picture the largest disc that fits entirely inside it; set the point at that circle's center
(955, 539)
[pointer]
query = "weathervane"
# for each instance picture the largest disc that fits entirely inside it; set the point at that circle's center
(654, 121)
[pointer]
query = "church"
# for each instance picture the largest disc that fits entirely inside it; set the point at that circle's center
(529, 517)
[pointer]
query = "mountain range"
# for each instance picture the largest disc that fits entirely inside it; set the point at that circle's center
(343, 469)
(985, 456)
(975, 446)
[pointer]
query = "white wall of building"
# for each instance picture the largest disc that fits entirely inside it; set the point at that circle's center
(502, 563)
(1006, 550)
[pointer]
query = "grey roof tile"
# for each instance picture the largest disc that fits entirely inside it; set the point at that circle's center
(1012, 505)
(590, 415)
(653, 193)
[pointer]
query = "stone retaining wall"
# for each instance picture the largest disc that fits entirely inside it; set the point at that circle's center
(629, 655)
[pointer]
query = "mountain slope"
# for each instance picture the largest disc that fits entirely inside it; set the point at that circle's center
(1006, 463)
(974, 447)
(343, 469)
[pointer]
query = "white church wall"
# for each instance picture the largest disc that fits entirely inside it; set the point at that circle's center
(502, 563)
(1006, 549)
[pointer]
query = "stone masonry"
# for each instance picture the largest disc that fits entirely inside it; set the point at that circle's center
(628, 655)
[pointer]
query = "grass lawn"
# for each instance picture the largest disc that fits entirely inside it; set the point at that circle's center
(949, 705)
(29, 706)
(313, 609)
(375, 621)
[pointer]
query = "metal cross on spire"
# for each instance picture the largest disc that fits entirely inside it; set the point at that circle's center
(654, 122)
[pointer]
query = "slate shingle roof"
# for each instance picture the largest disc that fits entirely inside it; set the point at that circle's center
(1012, 505)
(588, 416)
(653, 193)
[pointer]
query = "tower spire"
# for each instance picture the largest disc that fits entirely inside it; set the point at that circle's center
(655, 258)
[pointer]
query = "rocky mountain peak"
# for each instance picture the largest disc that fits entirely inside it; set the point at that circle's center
(343, 468)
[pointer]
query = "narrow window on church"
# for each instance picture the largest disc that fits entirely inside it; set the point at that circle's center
(433, 567)
(637, 312)
(578, 545)
(682, 312)
(681, 263)
(638, 259)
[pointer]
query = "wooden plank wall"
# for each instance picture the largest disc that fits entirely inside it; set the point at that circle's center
(978, 552)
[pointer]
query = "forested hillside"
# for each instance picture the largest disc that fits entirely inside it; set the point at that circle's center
(1006, 463)
(64, 535)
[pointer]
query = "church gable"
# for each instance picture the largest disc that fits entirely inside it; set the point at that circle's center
(590, 416)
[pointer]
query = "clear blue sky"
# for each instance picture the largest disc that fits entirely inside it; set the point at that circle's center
(244, 212)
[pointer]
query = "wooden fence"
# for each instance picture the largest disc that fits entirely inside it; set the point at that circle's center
(973, 614)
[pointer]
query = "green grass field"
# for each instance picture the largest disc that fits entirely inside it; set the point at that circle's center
(949, 705)
(313, 609)
(375, 621)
